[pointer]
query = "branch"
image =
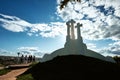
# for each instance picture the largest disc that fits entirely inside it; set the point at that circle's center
(65, 2)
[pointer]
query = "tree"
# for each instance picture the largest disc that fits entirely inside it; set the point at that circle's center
(65, 2)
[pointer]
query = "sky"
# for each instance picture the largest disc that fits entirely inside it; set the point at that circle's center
(39, 26)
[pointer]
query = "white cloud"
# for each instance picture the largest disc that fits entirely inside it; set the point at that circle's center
(13, 23)
(7, 53)
(100, 18)
(28, 49)
(23, 50)
(31, 51)
(16, 24)
(13, 27)
(113, 48)
(30, 34)
(91, 46)
(9, 17)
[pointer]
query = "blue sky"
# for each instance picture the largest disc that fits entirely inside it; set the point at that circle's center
(29, 10)
(39, 25)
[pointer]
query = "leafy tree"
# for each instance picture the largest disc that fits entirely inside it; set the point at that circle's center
(65, 2)
(117, 59)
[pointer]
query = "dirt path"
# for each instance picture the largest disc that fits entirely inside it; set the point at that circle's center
(13, 74)
(1, 68)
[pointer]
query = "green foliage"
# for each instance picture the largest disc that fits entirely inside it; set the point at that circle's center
(65, 2)
(25, 77)
(117, 59)
(33, 64)
(4, 71)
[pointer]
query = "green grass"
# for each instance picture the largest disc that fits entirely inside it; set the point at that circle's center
(4, 71)
(25, 77)
(33, 64)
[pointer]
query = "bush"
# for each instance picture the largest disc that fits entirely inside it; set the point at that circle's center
(4, 71)
(117, 59)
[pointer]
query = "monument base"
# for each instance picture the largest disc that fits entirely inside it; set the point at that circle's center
(64, 51)
(75, 46)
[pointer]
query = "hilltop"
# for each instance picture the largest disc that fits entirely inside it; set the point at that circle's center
(74, 67)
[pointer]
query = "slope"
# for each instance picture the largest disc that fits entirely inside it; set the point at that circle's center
(74, 67)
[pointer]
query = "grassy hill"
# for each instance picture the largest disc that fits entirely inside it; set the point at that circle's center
(74, 67)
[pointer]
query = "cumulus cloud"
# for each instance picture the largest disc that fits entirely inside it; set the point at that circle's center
(6, 53)
(16, 24)
(23, 50)
(113, 48)
(100, 18)
(31, 51)
(13, 23)
(34, 49)
(28, 50)
(91, 46)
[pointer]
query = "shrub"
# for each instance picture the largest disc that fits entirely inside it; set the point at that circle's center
(4, 71)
